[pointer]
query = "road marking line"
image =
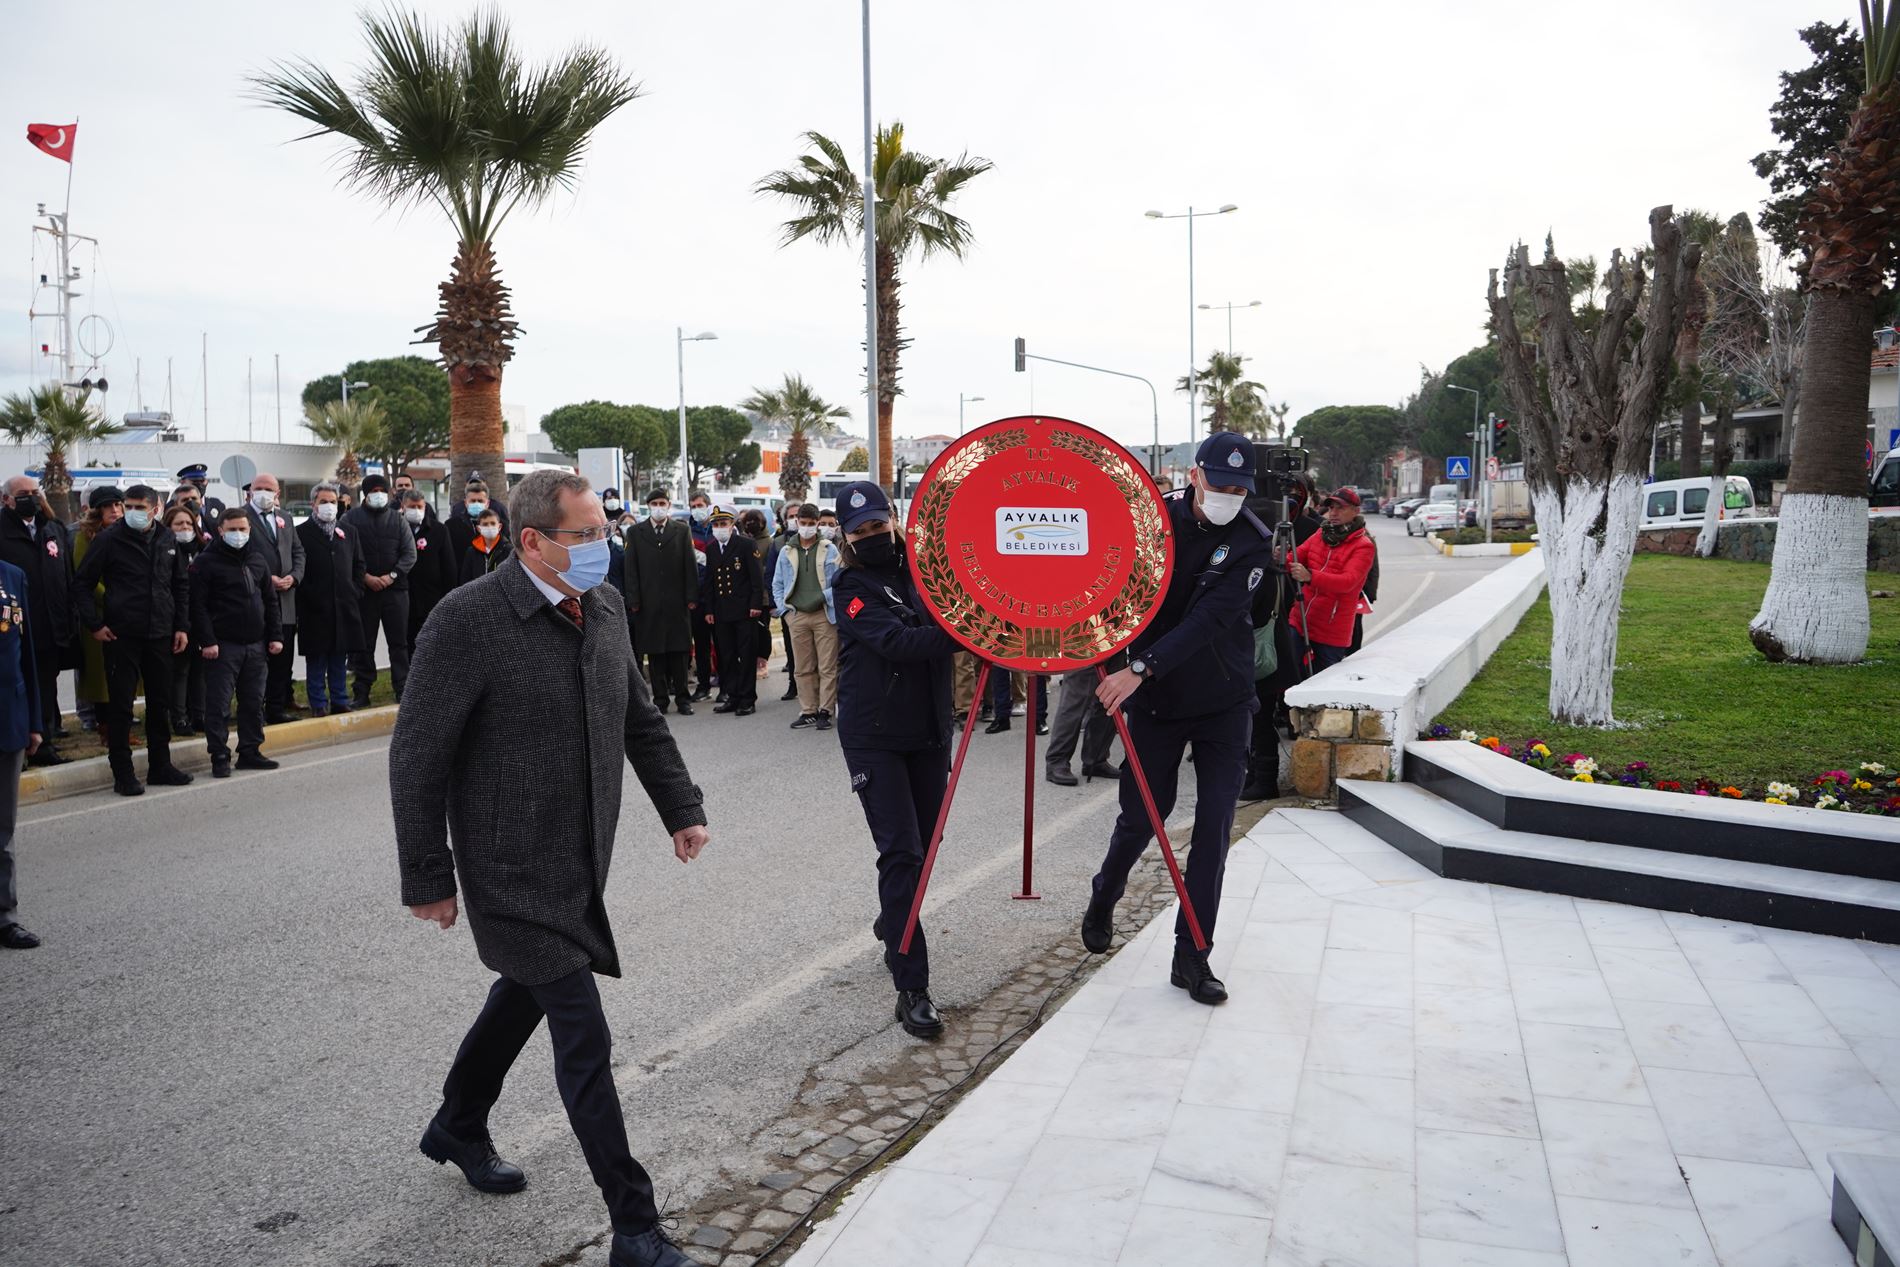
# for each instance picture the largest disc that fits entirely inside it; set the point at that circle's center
(134, 802)
(1425, 583)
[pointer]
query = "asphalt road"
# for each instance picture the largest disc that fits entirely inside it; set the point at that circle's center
(1414, 577)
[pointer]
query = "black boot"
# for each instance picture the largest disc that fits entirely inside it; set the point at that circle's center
(476, 1158)
(917, 1014)
(1192, 974)
(791, 692)
(1098, 924)
(651, 1248)
(685, 705)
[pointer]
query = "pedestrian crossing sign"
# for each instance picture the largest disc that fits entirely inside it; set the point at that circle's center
(1458, 468)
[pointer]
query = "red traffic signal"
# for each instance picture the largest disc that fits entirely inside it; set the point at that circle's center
(1500, 427)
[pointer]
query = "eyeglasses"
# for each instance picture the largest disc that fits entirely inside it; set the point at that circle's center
(587, 535)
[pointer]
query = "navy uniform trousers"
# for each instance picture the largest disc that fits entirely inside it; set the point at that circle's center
(901, 793)
(1220, 767)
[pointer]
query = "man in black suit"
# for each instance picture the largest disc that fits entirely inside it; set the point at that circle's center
(34, 540)
(528, 828)
(662, 593)
(275, 538)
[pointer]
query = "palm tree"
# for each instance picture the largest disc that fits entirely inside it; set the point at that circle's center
(1815, 609)
(914, 193)
(1233, 403)
(457, 119)
(355, 426)
(805, 413)
(59, 420)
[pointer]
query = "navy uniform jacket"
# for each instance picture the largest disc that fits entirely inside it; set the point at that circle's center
(1199, 648)
(733, 588)
(19, 672)
(893, 662)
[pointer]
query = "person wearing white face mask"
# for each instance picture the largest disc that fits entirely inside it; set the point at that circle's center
(330, 618)
(1190, 680)
(275, 537)
(236, 622)
(388, 549)
(731, 596)
(662, 588)
(801, 594)
(436, 571)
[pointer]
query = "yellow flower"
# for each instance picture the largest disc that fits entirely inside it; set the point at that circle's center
(1862, 785)
(1585, 777)
(1540, 750)
(1774, 800)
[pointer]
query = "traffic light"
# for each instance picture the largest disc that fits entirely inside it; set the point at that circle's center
(1500, 430)
(1022, 355)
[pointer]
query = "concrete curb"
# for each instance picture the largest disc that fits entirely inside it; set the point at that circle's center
(94, 774)
(1483, 549)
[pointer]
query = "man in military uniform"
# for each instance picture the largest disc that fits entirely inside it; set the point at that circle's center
(662, 575)
(730, 599)
(210, 509)
(1189, 680)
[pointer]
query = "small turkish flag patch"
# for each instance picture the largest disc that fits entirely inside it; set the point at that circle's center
(856, 606)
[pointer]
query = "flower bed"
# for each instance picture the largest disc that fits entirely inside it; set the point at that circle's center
(1872, 787)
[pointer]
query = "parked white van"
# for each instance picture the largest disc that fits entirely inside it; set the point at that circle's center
(1687, 501)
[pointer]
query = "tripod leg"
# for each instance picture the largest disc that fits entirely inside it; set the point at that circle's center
(943, 814)
(1154, 821)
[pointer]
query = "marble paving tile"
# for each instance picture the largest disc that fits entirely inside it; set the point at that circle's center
(1722, 1115)
(1097, 997)
(1346, 1038)
(1576, 1062)
(1613, 924)
(1818, 1139)
(1681, 1036)
(1882, 1058)
(991, 1133)
(1451, 959)
(1267, 1002)
(1868, 1006)
(1820, 1084)
(1223, 1161)
(1728, 952)
(1350, 1119)
(1885, 957)
(1274, 902)
(1433, 1253)
(825, 1233)
(1653, 976)
(1531, 904)
(1473, 908)
(1343, 1216)
(1004, 1256)
(1772, 1012)
(1370, 978)
(920, 1218)
(1054, 1052)
(1483, 1091)
(1075, 1197)
(1467, 1017)
(1275, 824)
(1165, 1237)
(1326, 878)
(1285, 945)
(1488, 1189)
(1156, 1020)
(1235, 1069)
(1120, 1097)
(1369, 928)
(1545, 943)
(1387, 866)
(1813, 952)
(1763, 1216)
(1610, 1152)
(1562, 996)
(1390, 895)
(1617, 1234)
(1343, 836)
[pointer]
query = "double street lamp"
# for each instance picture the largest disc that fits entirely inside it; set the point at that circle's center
(963, 400)
(1230, 318)
(1189, 215)
(681, 339)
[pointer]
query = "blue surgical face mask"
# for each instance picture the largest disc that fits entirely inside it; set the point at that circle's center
(140, 520)
(587, 564)
(701, 514)
(237, 540)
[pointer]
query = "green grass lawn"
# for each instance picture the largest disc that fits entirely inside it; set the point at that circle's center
(1693, 696)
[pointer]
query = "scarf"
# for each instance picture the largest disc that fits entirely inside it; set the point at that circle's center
(1333, 534)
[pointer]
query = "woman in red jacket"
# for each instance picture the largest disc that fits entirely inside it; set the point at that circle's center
(1331, 566)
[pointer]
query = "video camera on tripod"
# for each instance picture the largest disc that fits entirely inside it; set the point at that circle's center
(1279, 470)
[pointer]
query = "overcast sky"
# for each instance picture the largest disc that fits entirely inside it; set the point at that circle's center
(1383, 156)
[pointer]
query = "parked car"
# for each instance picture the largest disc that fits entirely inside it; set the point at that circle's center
(1403, 509)
(1432, 517)
(1468, 512)
(1687, 501)
(1368, 500)
(1883, 490)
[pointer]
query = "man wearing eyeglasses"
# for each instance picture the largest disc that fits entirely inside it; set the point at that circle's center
(528, 830)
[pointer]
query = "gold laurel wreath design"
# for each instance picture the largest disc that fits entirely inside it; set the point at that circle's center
(1005, 639)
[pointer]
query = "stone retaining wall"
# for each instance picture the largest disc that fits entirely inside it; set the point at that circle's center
(1753, 541)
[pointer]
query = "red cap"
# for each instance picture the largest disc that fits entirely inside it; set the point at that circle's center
(1349, 496)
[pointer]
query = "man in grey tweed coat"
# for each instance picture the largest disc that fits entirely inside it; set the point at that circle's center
(529, 829)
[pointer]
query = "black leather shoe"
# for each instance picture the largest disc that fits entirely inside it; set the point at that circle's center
(220, 769)
(651, 1248)
(167, 776)
(1101, 770)
(1258, 792)
(48, 755)
(256, 761)
(917, 1014)
(13, 937)
(1192, 974)
(998, 726)
(700, 696)
(1062, 776)
(744, 710)
(1042, 725)
(684, 706)
(277, 717)
(484, 1170)
(660, 702)
(722, 698)
(127, 785)
(724, 706)
(791, 692)
(824, 720)
(1098, 925)
(806, 721)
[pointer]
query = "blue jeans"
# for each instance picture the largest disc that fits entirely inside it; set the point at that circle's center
(1000, 694)
(326, 680)
(1324, 655)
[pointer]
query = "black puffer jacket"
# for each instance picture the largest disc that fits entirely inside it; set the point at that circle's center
(147, 591)
(893, 662)
(232, 598)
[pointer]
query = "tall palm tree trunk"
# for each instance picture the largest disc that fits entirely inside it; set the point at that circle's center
(1815, 610)
(474, 329)
(56, 481)
(475, 431)
(889, 347)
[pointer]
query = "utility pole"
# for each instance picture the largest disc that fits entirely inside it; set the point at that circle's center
(277, 362)
(249, 396)
(870, 256)
(204, 379)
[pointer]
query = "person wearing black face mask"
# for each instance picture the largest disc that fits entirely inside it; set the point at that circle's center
(237, 622)
(34, 540)
(894, 723)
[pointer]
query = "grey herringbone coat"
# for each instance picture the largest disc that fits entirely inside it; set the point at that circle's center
(508, 746)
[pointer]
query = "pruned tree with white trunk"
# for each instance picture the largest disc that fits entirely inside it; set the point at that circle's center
(1740, 361)
(1587, 406)
(1815, 610)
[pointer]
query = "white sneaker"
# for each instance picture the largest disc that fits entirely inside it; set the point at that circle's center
(1018, 710)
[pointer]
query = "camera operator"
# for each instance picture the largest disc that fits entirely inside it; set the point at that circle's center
(1286, 503)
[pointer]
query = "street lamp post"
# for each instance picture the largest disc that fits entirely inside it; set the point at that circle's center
(681, 339)
(1230, 318)
(1189, 215)
(1477, 399)
(347, 384)
(1154, 400)
(963, 400)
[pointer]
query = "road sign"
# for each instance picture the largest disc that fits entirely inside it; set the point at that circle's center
(1491, 468)
(238, 471)
(1893, 439)
(1458, 468)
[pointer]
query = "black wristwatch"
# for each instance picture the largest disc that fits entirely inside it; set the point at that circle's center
(1139, 668)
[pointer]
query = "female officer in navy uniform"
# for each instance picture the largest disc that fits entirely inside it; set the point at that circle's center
(894, 724)
(1189, 680)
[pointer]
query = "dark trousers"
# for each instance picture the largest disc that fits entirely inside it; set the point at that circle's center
(702, 653)
(127, 660)
(387, 610)
(785, 634)
(666, 674)
(583, 1071)
(10, 766)
(738, 659)
(1220, 763)
(46, 659)
(188, 689)
(901, 793)
(240, 668)
(1079, 715)
(278, 696)
(1324, 655)
(1000, 691)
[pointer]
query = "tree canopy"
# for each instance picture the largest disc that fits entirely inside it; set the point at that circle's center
(1347, 442)
(1810, 117)
(719, 440)
(414, 395)
(647, 437)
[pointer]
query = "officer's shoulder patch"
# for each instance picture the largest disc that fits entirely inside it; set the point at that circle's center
(1220, 556)
(855, 606)
(1253, 578)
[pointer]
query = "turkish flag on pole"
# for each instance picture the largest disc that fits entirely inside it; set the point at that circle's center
(55, 138)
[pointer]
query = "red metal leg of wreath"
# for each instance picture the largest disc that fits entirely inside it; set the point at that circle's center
(943, 812)
(1154, 820)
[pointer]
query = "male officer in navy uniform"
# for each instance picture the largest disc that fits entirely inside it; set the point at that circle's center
(731, 596)
(20, 734)
(1190, 680)
(210, 509)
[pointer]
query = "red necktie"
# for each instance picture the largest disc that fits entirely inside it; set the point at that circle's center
(571, 608)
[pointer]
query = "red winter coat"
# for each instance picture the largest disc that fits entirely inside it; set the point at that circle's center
(1331, 599)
